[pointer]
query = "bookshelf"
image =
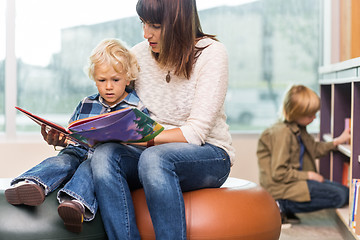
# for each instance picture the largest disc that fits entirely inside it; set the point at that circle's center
(340, 99)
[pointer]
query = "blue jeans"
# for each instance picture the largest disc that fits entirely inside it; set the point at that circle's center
(323, 195)
(164, 171)
(69, 167)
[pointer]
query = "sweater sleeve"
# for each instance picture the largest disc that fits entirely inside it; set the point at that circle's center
(211, 73)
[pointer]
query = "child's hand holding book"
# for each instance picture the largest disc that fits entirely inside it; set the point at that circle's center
(53, 137)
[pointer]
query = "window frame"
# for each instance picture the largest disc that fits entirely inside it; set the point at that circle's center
(10, 72)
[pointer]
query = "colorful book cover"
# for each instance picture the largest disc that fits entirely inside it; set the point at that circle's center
(356, 209)
(352, 205)
(128, 125)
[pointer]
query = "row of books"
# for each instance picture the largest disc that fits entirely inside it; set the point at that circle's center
(354, 209)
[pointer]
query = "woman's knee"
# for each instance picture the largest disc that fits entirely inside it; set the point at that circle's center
(101, 159)
(152, 165)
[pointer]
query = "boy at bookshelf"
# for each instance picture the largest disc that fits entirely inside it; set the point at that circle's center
(113, 68)
(286, 157)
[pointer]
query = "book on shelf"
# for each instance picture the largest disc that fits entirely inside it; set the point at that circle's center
(354, 213)
(347, 124)
(128, 125)
(352, 204)
(346, 174)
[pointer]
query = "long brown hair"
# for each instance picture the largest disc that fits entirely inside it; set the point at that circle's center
(180, 28)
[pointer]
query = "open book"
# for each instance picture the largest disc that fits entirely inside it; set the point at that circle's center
(127, 125)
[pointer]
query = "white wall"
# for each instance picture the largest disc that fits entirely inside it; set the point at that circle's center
(245, 166)
(19, 155)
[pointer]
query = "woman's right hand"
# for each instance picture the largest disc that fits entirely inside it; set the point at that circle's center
(53, 137)
(315, 176)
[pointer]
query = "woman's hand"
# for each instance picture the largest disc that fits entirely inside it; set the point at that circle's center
(53, 137)
(315, 176)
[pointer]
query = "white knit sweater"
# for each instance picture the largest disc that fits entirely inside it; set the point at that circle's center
(195, 105)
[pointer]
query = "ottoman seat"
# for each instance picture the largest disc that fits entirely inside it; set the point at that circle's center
(238, 210)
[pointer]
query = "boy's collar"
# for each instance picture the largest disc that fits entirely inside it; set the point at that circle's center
(131, 99)
(294, 127)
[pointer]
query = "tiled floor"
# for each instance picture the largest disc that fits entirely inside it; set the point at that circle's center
(318, 225)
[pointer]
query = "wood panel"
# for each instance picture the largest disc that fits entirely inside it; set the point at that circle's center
(355, 29)
(349, 22)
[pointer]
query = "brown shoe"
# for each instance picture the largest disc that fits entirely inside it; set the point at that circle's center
(72, 213)
(25, 192)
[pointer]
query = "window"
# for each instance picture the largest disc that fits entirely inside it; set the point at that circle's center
(53, 46)
(271, 44)
(2, 65)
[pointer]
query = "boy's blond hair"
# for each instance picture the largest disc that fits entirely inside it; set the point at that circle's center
(114, 53)
(300, 101)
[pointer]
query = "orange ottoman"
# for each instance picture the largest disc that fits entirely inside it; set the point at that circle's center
(238, 210)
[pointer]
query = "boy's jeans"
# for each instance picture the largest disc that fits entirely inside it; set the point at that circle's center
(323, 195)
(164, 171)
(68, 166)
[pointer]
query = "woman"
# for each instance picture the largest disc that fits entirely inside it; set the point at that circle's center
(183, 83)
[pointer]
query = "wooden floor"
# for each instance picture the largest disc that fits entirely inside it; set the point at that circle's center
(319, 225)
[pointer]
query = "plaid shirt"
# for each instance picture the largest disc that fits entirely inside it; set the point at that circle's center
(94, 105)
